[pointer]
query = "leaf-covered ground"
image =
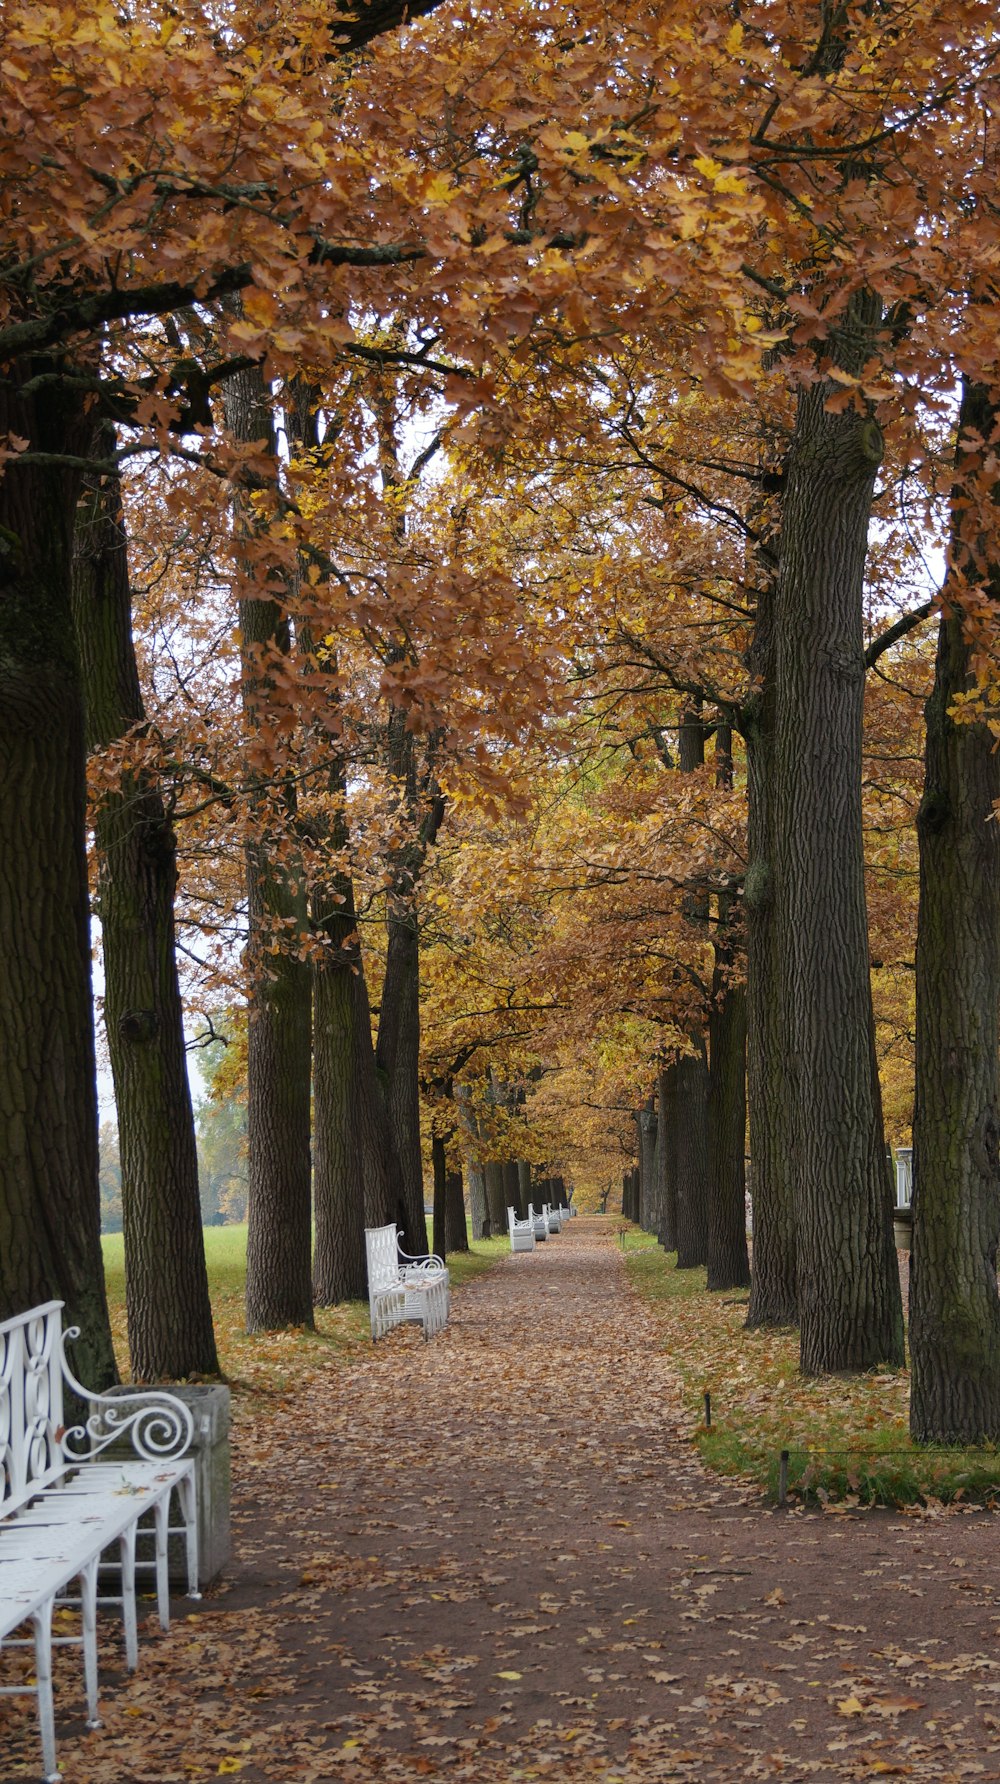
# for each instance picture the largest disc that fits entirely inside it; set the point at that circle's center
(498, 1556)
(847, 1436)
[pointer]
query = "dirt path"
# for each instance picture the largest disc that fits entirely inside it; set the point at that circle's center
(496, 1557)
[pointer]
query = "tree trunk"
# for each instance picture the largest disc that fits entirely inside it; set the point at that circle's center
(666, 1174)
(728, 1263)
(479, 1213)
(170, 1331)
(495, 1198)
(439, 1161)
(511, 1187)
(397, 1056)
(456, 1230)
(954, 1306)
(646, 1122)
(279, 996)
(523, 1188)
(687, 1152)
(352, 1174)
(50, 1245)
(848, 1283)
(774, 1275)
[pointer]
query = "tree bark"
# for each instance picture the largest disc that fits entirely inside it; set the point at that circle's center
(687, 1151)
(353, 1184)
(646, 1124)
(495, 1197)
(479, 1212)
(169, 1312)
(728, 1262)
(456, 1230)
(50, 1244)
(774, 1275)
(397, 1056)
(954, 1306)
(279, 1205)
(523, 1188)
(511, 1187)
(666, 1165)
(439, 1162)
(848, 1283)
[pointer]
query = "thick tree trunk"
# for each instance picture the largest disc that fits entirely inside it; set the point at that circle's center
(646, 1123)
(456, 1230)
(728, 1263)
(849, 1298)
(523, 1188)
(353, 1174)
(687, 1151)
(666, 1166)
(166, 1282)
(478, 1206)
(954, 1306)
(50, 1245)
(279, 1200)
(439, 1162)
(397, 1056)
(479, 1213)
(687, 1147)
(495, 1198)
(511, 1186)
(774, 1278)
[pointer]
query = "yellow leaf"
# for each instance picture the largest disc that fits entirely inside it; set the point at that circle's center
(231, 1763)
(851, 1706)
(508, 1675)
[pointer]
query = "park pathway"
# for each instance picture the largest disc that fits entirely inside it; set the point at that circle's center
(496, 1557)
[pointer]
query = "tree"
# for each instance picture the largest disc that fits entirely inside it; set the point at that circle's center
(954, 1305)
(166, 1282)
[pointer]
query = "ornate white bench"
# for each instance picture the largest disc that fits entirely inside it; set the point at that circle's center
(522, 1232)
(540, 1222)
(61, 1508)
(404, 1288)
(554, 1219)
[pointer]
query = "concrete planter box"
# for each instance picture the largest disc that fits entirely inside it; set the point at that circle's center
(208, 1404)
(902, 1226)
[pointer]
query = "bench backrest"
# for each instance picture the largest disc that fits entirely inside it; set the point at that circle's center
(31, 1404)
(382, 1247)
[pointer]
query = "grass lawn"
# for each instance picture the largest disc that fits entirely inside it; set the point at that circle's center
(270, 1363)
(847, 1437)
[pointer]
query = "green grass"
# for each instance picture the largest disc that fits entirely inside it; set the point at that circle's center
(269, 1364)
(847, 1437)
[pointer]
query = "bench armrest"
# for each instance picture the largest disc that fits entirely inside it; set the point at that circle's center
(430, 1262)
(159, 1426)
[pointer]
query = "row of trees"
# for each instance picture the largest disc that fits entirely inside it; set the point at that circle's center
(403, 429)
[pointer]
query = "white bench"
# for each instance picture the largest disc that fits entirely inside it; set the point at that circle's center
(540, 1222)
(404, 1288)
(554, 1219)
(61, 1508)
(522, 1232)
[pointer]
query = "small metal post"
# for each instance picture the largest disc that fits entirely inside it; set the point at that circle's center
(708, 1411)
(783, 1478)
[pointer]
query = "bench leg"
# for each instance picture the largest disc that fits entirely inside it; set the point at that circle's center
(88, 1611)
(41, 1622)
(127, 1547)
(160, 1521)
(189, 1507)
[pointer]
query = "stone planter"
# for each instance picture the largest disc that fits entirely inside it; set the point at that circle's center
(902, 1226)
(208, 1404)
